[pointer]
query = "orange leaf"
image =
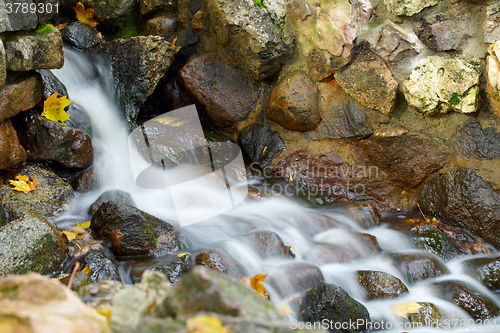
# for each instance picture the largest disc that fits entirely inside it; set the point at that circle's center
(53, 108)
(85, 15)
(206, 324)
(256, 284)
(59, 26)
(173, 46)
(23, 184)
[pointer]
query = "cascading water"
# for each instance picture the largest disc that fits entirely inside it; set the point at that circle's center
(89, 83)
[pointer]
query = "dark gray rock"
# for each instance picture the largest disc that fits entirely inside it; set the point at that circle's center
(476, 142)
(171, 265)
(108, 13)
(293, 277)
(486, 270)
(79, 119)
(51, 84)
(260, 144)
(80, 35)
(418, 266)
(30, 244)
(51, 8)
(102, 267)
(111, 195)
(429, 237)
(267, 244)
(462, 197)
(15, 21)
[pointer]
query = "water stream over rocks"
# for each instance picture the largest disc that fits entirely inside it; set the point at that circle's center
(329, 243)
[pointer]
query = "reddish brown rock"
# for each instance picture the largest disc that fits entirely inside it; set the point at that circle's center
(44, 139)
(293, 102)
(19, 94)
(267, 244)
(226, 94)
(379, 285)
(11, 152)
(220, 261)
(164, 26)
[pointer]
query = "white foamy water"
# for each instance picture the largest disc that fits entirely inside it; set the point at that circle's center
(89, 83)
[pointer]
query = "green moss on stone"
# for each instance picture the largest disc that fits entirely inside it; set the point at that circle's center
(44, 29)
(149, 231)
(455, 99)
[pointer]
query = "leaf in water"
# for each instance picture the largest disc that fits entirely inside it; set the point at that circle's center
(165, 120)
(173, 46)
(179, 123)
(59, 26)
(256, 284)
(53, 108)
(87, 270)
(85, 15)
(23, 184)
(206, 324)
(182, 254)
(105, 309)
(70, 235)
(284, 309)
(403, 309)
(84, 225)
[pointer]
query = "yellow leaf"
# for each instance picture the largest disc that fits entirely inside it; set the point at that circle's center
(284, 309)
(179, 123)
(182, 254)
(87, 270)
(23, 184)
(59, 26)
(69, 234)
(85, 15)
(99, 34)
(84, 225)
(105, 310)
(206, 324)
(256, 284)
(403, 309)
(53, 108)
(173, 46)
(165, 120)
(264, 151)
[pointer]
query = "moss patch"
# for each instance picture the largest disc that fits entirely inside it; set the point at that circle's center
(44, 29)
(455, 99)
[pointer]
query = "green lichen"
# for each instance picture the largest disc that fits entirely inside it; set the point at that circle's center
(149, 231)
(260, 4)
(44, 29)
(455, 99)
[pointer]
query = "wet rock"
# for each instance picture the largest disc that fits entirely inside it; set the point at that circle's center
(206, 290)
(35, 303)
(476, 142)
(260, 144)
(423, 314)
(462, 197)
(51, 84)
(102, 267)
(381, 285)
(57, 193)
(44, 139)
(293, 102)
(322, 254)
(315, 223)
(80, 35)
(164, 26)
(447, 30)
(347, 120)
(365, 214)
(430, 238)
(79, 119)
(171, 265)
(210, 81)
(408, 8)
(86, 180)
(148, 6)
(3, 66)
(11, 151)
(138, 64)
(439, 85)
(478, 306)
(41, 49)
(247, 35)
(408, 158)
(330, 302)
(326, 30)
(46, 15)
(20, 93)
(486, 270)
(493, 73)
(220, 261)
(418, 266)
(105, 12)
(392, 42)
(368, 80)
(267, 244)
(16, 21)
(132, 231)
(293, 277)
(112, 195)
(99, 294)
(30, 244)
(491, 25)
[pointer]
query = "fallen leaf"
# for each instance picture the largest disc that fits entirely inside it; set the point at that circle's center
(179, 123)
(403, 309)
(105, 310)
(182, 254)
(84, 225)
(85, 15)
(59, 26)
(284, 309)
(70, 235)
(173, 46)
(165, 120)
(53, 108)
(87, 270)
(206, 324)
(256, 284)
(23, 184)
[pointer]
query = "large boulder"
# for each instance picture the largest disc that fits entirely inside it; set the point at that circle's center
(486, 270)
(56, 193)
(247, 34)
(16, 20)
(102, 267)
(30, 244)
(111, 195)
(20, 93)
(35, 303)
(80, 35)
(440, 84)
(138, 64)
(106, 12)
(462, 197)
(475, 142)
(293, 102)
(45, 139)
(210, 80)
(41, 49)
(368, 80)
(408, 7)
(11, 151)
(132, 231)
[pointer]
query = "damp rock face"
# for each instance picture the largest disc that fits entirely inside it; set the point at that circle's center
(473, 141)
(380, 285)
(11, 151)
(408, 7)
(260, 144)
(418, 266)
(491, 24)
(19, 94)
(486, 270)
(221, 262)
(132, 231)
(439, 85)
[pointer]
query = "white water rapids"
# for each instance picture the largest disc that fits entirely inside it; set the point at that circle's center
(89, 83)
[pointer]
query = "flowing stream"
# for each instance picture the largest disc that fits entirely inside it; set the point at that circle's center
(89, 83)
